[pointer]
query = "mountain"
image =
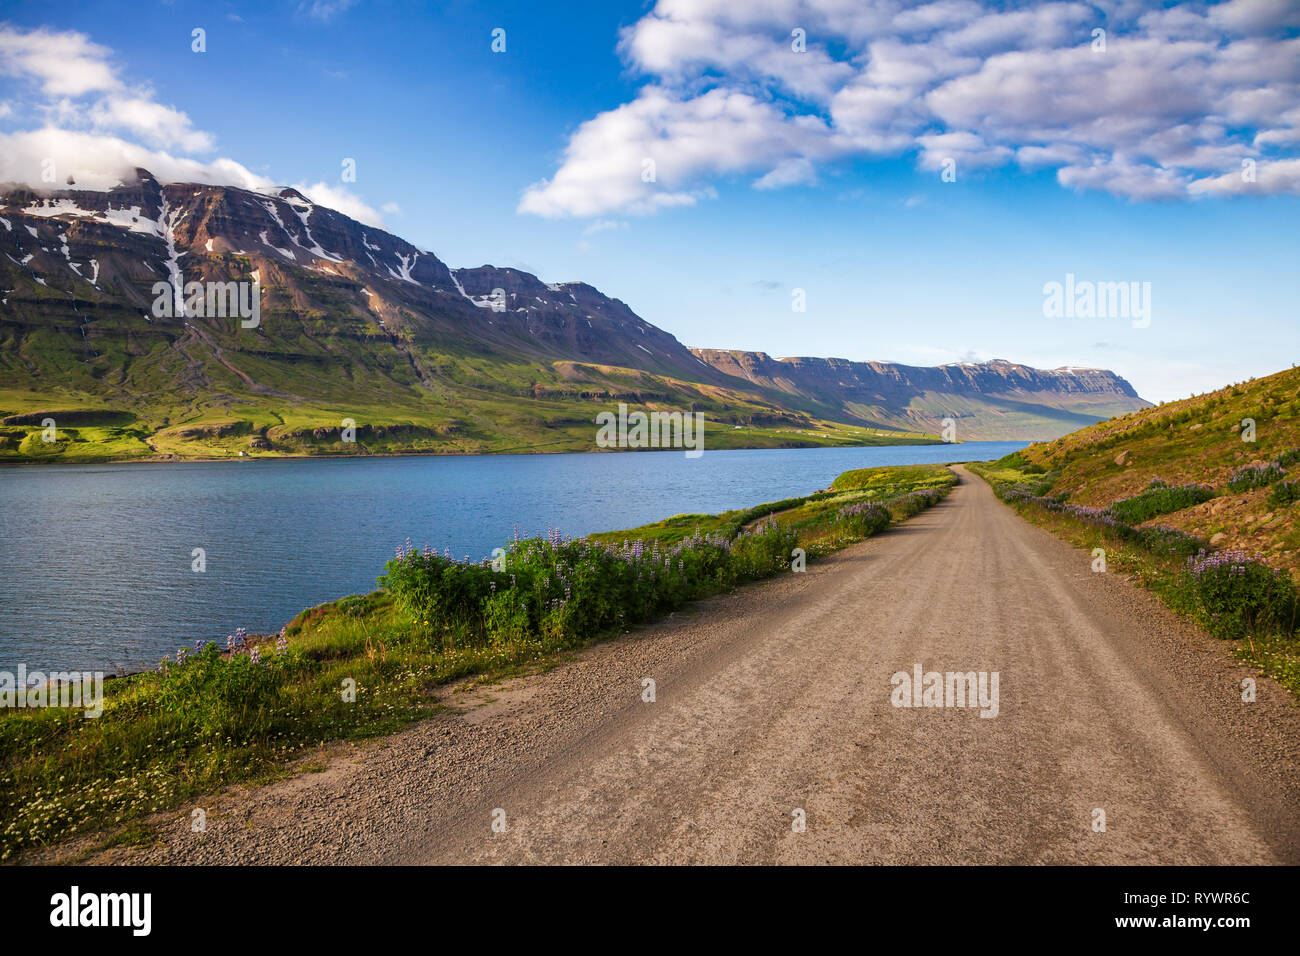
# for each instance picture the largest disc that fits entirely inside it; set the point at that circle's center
(987, 401)
(352, 323)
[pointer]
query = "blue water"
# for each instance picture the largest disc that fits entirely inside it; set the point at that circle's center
(95, 560)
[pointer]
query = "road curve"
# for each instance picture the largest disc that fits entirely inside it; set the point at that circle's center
(777, 698)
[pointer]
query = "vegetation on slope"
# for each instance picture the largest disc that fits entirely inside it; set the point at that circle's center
(515, 413)
(1198, 440)
(1192, 498)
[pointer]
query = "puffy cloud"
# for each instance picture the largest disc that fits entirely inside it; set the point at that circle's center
(968, 149)
(1179, 96)
(64, 64)
(338, 198)
(1279, 176)
(644, 155)
(89, 113)
(68, 69)
(1255, 16)
(157, 124)
(101, 162)
(788, 172)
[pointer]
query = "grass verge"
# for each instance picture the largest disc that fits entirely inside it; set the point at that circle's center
(1234, 595)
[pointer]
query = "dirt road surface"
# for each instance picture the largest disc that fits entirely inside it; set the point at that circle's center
(776, 699)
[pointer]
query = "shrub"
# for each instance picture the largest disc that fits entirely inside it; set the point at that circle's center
(1284, 493)
(1287, 458)
(1158, 538)
(1159, 498)
(1255, 476)
(863, 519)
(1240, 596)
(1161, 539)
(914, 502)
(507, 617)
(570, 591)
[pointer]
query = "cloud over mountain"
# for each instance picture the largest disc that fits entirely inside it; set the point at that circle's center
(1125, 97)
(78, 117)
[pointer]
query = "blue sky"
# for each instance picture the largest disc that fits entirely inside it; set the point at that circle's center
(776, 171)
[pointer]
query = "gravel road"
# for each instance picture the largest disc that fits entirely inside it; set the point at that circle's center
(773, 709)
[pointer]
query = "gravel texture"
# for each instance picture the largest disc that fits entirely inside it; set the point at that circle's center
(776, 698)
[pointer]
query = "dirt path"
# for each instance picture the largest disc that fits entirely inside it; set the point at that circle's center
(777, 698)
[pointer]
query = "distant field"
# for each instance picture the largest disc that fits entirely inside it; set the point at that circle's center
(88, 431)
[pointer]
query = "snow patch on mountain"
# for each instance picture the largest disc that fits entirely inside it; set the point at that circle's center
(168, 220)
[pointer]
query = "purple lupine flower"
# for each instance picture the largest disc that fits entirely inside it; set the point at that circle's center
(255, 655)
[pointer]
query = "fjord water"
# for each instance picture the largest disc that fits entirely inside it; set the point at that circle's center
(95, 560)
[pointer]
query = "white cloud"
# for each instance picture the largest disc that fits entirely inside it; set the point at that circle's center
(646, 154)
(81, 89)
(156, 124)
(1255, 16)
(101, 162)
(90, 113)
(1180, 95)
(788, 172)
(64, 64)
(1280, 176)
(338, 198)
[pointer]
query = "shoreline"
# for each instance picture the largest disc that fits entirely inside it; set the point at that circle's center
(173, 460)
(398, 658)
(144, 665)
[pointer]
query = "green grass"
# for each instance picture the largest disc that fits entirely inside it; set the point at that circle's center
(1236, 432)
(166, 738)
(405, 398)
(1274, 652)
(1158, 498)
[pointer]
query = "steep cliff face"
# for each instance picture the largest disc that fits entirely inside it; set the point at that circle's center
(988, 400)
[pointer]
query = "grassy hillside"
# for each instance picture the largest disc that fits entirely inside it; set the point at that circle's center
(479, 408)
(1182, 499)
(1198, 440)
